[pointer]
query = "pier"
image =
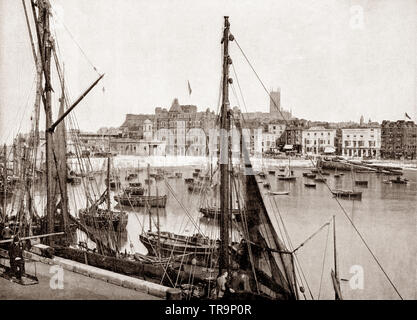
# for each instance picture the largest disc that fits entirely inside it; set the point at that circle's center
(79, 281)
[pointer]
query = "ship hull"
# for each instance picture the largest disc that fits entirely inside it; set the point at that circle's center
(142, 201)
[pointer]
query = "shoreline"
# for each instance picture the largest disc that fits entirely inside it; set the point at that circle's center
(132, 162)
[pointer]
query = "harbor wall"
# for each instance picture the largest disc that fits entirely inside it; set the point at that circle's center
(144, 286)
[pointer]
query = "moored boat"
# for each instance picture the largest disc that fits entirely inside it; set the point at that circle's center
(215, 213)
(348, 194)
(103, 219)
(288, 178)
(141, 201)
(278, 193)
(399, 180)
(166, 244)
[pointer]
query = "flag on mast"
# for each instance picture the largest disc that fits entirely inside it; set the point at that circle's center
(407, 116)
(189, 88)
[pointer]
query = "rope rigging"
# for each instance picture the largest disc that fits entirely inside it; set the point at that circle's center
(338, 202)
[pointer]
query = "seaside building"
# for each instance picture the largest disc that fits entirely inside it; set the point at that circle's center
(292, 139)
(361, 142)
(398, 139)
(318, 140)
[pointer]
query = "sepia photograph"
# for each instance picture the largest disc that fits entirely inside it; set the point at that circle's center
(218, 152)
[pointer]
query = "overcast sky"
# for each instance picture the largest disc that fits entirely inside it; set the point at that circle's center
(333, 60)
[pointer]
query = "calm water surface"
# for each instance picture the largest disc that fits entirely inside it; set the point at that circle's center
(386, 218)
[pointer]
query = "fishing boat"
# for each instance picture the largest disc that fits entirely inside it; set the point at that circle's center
(108, 218)
(399, 180)
(136, 199)
(305, 174)
(288, 178)
(189, 180)
(271, 172)
(166, 244)
(262, 258)
(141, 201)
(320, 179)
(348, 194)
(310, 185)
(178, 174)
(289, 175)
(214, 213)
(196, 174)
(104, 219)
(311, 175)
(270, 274)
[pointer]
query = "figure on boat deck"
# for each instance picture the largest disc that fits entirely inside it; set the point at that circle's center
(17, 262)
(6, 233)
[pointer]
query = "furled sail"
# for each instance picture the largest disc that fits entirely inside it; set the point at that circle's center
(272, 261)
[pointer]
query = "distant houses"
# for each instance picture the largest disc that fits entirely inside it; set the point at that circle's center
(184, 131)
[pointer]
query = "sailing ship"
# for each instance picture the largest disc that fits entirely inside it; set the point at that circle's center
(261, 259)
(351, 194)
(99, 218)
(289, 175)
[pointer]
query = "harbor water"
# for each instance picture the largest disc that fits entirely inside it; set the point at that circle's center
(385, 218)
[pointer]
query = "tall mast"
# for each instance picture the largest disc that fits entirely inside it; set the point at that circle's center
(108, 183)
(224, 155)
(4, 180)
(335, 274)
(334, 248)
(45, 47)
(61, 165)
(149, 195)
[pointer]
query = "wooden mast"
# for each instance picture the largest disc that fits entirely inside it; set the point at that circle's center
(4, 180)
(61, 165)
(157, 224)
(45, 47)
(108, 184)
(224, 156)
(149, 194)
(335, 273)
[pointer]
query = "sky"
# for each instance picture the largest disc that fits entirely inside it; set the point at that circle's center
(333, 60)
